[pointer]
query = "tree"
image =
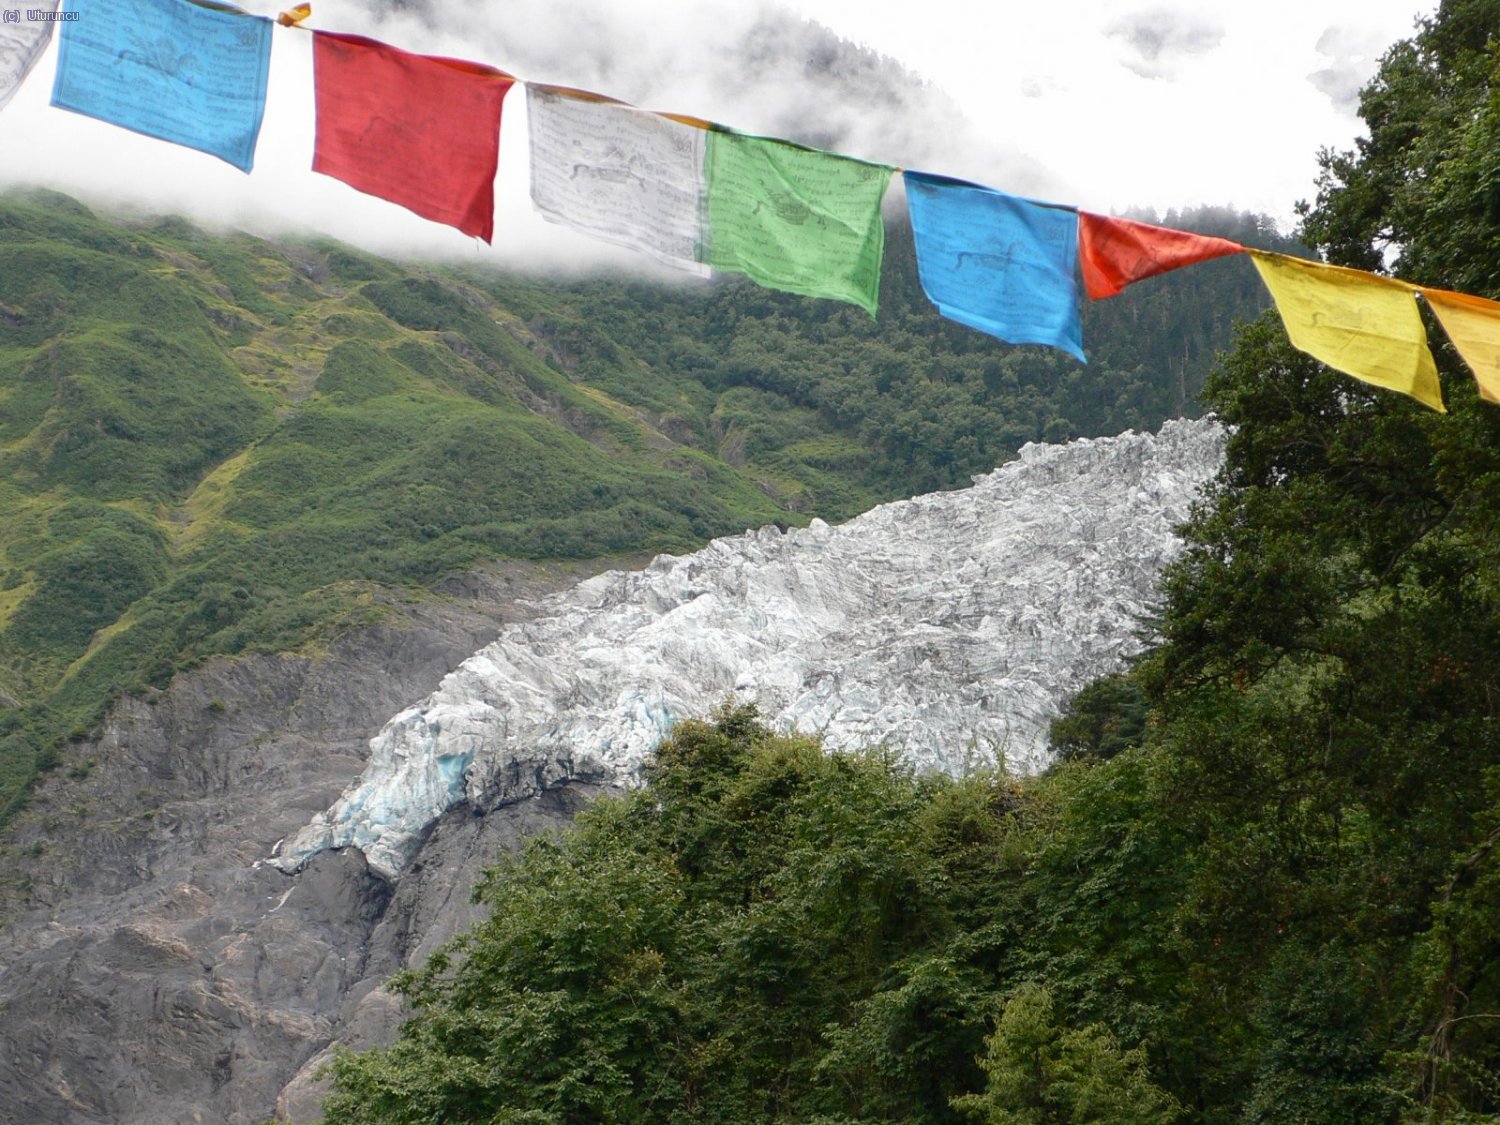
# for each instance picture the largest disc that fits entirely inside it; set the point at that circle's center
(1039, 1071)
(1105, 717)
(758, 935)
(1326, 694)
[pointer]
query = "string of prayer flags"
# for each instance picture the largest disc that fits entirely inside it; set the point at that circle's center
(1114, 252)
(1004, 265)
(417, 130)
(423, 132)
(186, 72)
(796, 218)
(22, 43)
(618, 173)
(1358, 323)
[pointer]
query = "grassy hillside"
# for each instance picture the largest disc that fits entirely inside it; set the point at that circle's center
(210, 444)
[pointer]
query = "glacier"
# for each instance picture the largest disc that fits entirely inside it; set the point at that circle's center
(949, 628)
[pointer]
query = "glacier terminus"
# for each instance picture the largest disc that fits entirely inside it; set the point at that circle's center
(949, 628)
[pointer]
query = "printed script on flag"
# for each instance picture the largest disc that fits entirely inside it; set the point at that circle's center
(172, 69)
(21, 44)
(996, 262)
(796, 219)
(619, 174)
(1355, 322)
(417, 130)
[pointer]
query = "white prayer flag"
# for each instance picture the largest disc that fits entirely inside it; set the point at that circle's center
(24, 35)
(620, 174)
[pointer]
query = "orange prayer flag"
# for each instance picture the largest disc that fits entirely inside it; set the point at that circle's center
(1114, 252)
(1473, 325)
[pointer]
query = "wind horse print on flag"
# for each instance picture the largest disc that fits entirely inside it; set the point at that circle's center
(795, 218)
(998, 263)
(1115, 252)
(1358, 323)
(416, 130)
(618, 173)
(184, 72)
(21, 44)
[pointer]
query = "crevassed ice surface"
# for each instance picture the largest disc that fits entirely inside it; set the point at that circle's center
(949, 627)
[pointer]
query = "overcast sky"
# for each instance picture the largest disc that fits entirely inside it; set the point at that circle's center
(1101, 103)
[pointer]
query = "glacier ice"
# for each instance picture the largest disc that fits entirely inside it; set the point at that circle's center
(948, 627)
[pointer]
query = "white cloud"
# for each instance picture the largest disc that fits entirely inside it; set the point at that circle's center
(1157, 40)
(1351, 54)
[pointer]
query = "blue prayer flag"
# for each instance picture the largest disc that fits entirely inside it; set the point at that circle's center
(1003, 265)
(185, 72)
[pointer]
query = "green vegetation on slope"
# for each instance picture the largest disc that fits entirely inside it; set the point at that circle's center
(209, 444)
(215, 444)
(837, 409)
(771, 933)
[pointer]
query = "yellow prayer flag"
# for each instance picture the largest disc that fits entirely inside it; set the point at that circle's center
(1473, 324)
(1356, 322)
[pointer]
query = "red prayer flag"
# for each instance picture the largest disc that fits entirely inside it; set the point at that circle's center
(1115, 252)
(417, 130)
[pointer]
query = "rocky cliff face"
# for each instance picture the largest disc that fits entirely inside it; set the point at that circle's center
(152, 970)
(156, 968)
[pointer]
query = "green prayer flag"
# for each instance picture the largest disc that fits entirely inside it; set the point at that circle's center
(794, 218)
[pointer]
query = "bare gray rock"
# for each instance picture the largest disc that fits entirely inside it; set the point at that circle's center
(431, 905)
(152, 968)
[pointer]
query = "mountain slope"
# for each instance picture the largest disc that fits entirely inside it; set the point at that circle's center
(156, 966)
(213, 444)
(210, 443)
